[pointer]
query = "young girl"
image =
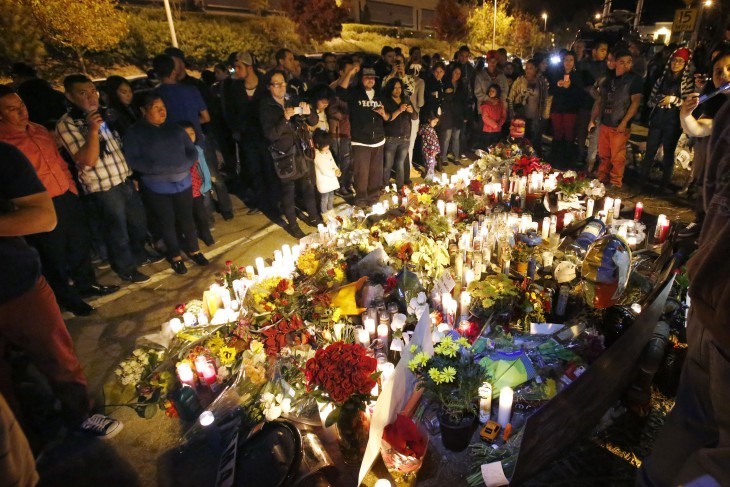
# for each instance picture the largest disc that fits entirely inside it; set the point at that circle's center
(325, 169)
(201, 186)
(429, 143)
(494, 114)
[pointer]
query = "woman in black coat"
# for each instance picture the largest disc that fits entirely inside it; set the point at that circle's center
(453, 115)
(281, 120)
(397, 130)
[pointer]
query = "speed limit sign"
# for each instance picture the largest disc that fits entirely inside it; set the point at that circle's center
(684, 20)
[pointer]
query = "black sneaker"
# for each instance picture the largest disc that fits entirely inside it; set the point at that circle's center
(78, 307)
(179, 267)
(228, 215)
(97, 290)
(199, 259)
(134, 276)
(103, 427)
(151, 259)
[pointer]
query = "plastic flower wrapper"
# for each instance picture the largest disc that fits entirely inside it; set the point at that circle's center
(403, 447)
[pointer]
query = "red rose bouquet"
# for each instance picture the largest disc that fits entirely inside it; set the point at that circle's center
(526, 165)
(341, 372)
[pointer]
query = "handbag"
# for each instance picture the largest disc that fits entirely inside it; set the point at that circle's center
(288, 164)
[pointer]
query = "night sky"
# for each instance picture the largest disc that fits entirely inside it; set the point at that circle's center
(654, 10)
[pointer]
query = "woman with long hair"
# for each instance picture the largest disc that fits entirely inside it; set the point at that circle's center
(566, 89)
(453, 115)
(397, 130)
(123, 112)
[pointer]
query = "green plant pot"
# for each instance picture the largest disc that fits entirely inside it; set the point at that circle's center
(456, 437)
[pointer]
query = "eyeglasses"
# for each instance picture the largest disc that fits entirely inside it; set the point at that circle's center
(278, 85)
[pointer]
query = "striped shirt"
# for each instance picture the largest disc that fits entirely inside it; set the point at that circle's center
(110, 170)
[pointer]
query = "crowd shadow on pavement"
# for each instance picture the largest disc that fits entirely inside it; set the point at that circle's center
(79, 461)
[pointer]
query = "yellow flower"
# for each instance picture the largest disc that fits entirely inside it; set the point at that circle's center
(447, 347)
(419, 360)
(336, 314)
(256, 347)
(414, 348)
(308, 263)
(424, 199)
(227, 355)
(463, 342)
(435, 375)
(448, 374)
(339, 275)
(215, 343)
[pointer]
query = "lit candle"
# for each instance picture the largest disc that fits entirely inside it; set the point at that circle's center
(286, 250)
(547, 259)
(553, 224)
(202, 318)
(260, 266)
(250, 272)
(210, 377)
(632, 241)
(363, 337)
(395, 200)
(441, 205)
(622, 231)
(176, 325)
(201, 362)
(185, 374)
(468, 276)
(637, 211)
(589, 207)
(382, 483)
(545, 228)
(607, 203)
(370, 326)
(386, 371)
(616, 207)
(485, 402)
(506, 396)
(443, 328)
(567, 219)
(465, 299)
(444, 178)
(659, 224)
(383, 335)
(225, 295)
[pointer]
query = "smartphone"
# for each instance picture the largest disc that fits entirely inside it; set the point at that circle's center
(566, 78)
(232, 70)
(297, 110)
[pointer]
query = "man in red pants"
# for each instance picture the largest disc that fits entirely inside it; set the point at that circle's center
(30, 318)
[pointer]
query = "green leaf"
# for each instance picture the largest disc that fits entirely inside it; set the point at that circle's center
(333, 417)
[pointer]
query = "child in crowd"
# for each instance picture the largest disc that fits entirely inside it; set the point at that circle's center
(494, 114)
(430, 146)
(201, 186)
(326, 170)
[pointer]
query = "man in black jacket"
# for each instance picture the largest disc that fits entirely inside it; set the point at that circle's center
(240, 98)
(368, 135)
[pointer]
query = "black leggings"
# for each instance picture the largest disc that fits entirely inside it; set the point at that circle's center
(171, 210)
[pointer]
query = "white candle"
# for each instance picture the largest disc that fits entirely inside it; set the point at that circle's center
(382, 483)
(176, 325)
(616, 207)
(363, 337)
(225, 295)
(185, 373)
(395, 200)
(607, 203)
(443, 328)
(553, 224)
(201, 362)
(250, 273)
(444, 178)
(567, 219)
(260, 266)
(286, 251)
(547, 259)
(386, 371)
(370, 326)
(383, 334)
(506, 396)
(441, 205)
(485, 402)
(468, 276)
(202, 319)
(545, 228)
(589, 207)
(465, 303)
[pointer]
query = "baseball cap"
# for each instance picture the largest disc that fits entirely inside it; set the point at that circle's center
(244, 57)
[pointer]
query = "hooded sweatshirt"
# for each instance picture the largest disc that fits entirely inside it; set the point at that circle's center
(665, 85)
(366, 125)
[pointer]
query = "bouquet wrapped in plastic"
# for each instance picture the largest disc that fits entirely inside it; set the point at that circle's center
(403, 447)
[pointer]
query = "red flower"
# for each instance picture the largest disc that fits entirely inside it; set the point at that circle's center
(229, 263)
(341, 370)
(390, 284)
(282, 286)
(405, 438)
(180, 309)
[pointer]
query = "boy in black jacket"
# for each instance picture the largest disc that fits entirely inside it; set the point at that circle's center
(368, 135)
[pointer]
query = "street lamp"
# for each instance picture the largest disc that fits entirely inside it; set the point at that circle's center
(544, 18)
(598, 16)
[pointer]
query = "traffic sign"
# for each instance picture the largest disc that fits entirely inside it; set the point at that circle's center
(684, 20)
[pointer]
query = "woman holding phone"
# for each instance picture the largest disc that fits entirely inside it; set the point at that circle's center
(397, 130)
(566, 89)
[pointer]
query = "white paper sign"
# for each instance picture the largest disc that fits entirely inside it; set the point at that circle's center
(445, 283)
(493, 475)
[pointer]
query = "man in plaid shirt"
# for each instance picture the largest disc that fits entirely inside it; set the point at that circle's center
(104, 176)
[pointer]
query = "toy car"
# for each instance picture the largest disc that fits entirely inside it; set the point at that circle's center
(490, 431)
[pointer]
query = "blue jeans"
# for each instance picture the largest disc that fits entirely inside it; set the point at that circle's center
(341, 148)
(395, 154)
(450, 138)
(124, 224)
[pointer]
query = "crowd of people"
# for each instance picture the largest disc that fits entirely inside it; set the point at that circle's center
(134, 174)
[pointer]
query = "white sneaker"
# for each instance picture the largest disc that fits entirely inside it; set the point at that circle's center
(101, 426)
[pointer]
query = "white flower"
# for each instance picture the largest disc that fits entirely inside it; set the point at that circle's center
(272, 412)
(286, 405)
(267, 398)
(119, 372)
